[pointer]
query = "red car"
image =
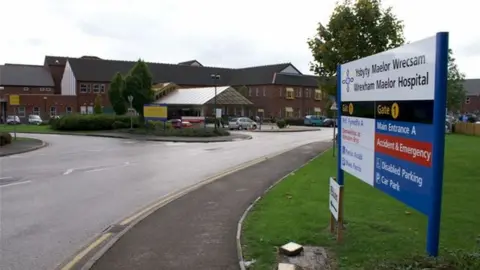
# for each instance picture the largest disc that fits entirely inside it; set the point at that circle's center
(178, 123)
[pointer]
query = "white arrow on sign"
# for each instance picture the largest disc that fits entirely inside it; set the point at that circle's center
(334, 106)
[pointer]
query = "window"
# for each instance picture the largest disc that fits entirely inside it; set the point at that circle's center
(83, 110)
(53, 111)
(256, 91)
(318, 94)
(289, 93)
(48, 89)
(102, 88)
(307, 93)
(68, 110)
(298, 113)
(36, 111)
(90, 110)
(249, 92)
(83, 88)
(264, 92)
(21, 111)
(467, 100)
(42, 89)
(280, 92)
(298, 93)
(96, 88)
(26, 88)
(288, 112)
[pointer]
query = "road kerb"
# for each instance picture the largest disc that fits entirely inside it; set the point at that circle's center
(33, 148)
(241, 260)
(104, 241)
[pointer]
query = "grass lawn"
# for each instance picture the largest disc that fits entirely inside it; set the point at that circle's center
(379, 227)
(26, 128)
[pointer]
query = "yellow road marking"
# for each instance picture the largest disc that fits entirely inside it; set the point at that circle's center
(84, 252)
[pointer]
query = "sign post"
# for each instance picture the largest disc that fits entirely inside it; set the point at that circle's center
(335, 205)
(391, 109)
(14, 100)
(334, 109)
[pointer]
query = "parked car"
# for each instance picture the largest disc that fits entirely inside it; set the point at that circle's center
(13, 120)
(241, 123)
(178, 123)
(329, 122)
(313, 120)
(34, 119)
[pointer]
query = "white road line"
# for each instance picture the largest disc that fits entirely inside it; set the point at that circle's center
(97, 170)
(6, 177)
(15, 184)
(69, 171)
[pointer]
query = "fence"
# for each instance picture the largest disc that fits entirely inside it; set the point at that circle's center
(467, 129)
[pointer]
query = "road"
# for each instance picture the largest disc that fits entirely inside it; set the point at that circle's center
(55, 200)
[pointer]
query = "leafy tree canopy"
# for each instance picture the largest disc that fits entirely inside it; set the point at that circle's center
(456, 93)
(115, 94)
(356, 29)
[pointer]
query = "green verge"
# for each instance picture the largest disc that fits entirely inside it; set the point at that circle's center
(382, 233)
(27, 128)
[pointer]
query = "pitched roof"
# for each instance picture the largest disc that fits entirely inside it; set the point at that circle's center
(190, 62)
(294, 79)
(230, 97)
(55, 60)
(472, 86)
(104, 70)
(192, 96)
(25, 75)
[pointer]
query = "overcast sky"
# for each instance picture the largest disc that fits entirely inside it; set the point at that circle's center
(215, 32)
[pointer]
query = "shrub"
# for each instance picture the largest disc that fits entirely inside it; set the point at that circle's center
(281, 123)
(78, 122)
(158, 130)
(5, 138)
(294, 121)
(119, 124)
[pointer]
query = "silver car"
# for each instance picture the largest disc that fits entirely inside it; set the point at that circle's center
(241, 123)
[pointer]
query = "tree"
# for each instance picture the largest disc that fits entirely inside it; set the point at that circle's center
(97, 108)
(115, 94)
(456, 93)
(356, 29)
(138, 83)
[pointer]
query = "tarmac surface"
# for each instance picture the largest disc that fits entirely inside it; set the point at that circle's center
(59, 198)
(197, 231)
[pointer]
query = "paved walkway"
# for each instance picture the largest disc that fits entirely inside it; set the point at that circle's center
(20, 145)
(198, 230)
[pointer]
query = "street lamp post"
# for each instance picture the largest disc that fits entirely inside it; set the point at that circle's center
(215, 78)
(45, 106)
(130, 100)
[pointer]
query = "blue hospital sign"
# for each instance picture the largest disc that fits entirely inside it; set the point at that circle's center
(392, 122)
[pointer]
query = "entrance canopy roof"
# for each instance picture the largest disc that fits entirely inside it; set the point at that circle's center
(226, 95)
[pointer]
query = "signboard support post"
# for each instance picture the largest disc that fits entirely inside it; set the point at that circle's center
(441, 72)
(15, 123)
(334, 140)
(340, 172)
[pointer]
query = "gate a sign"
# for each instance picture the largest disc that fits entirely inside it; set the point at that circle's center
(392, 124)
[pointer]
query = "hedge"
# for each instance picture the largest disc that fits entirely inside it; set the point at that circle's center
(5, 138)
(78, 122)
(164, 130)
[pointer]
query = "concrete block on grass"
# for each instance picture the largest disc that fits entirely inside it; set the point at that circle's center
(286, 266)
(291, 249)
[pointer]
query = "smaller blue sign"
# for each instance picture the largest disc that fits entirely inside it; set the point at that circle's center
(416, 131)
(407, 182)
